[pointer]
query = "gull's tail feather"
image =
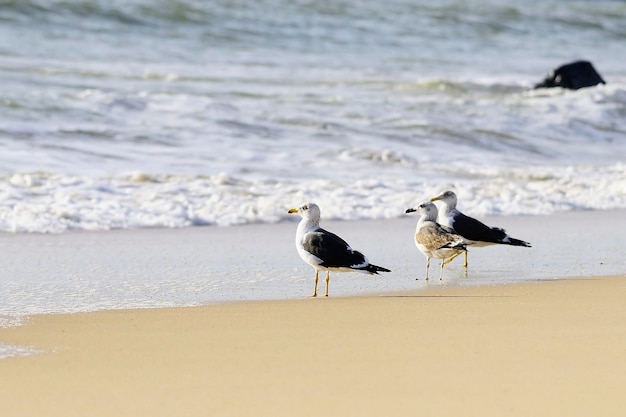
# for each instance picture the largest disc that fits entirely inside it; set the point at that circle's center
(516, 242)
(375, 269)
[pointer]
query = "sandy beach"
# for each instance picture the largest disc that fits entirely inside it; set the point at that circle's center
(545, 348)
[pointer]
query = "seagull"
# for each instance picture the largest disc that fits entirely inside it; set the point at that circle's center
(435, 240)
(325, 251)
(470, 228)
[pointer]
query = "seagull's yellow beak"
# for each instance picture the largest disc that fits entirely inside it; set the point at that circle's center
(292, 210)
(435, 199)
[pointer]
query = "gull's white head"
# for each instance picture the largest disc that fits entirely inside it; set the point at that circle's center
(448, 198)
(426, 210)
(309, 211)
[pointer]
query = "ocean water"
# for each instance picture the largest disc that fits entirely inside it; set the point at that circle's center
(148, 113)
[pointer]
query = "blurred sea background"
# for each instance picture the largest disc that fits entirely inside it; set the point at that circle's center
(153, 113)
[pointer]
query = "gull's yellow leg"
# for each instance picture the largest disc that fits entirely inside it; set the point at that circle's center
(465, 264)
(327, 281)
(450, 259)
(443, 262)
(427, 267)
(315, 288)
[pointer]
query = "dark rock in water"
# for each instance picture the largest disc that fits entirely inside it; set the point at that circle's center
(573, 76)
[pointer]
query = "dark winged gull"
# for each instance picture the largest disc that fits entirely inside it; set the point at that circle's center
(325, 251)
(470, 228)
(435, 240)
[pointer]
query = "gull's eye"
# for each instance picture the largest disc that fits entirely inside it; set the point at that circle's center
(304, 207)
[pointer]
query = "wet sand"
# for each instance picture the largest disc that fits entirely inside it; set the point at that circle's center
(85, 271)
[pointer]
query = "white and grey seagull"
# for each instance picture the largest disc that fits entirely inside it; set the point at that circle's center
(325, 251)
(470, 228)
(435, 240)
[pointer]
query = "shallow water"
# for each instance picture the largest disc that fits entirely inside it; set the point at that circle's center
(133, 114)
(86, 271)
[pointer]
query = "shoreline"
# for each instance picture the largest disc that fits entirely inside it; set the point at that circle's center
(87, 271)
(534, 348)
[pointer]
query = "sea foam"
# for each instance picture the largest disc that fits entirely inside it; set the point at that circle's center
(52, 203)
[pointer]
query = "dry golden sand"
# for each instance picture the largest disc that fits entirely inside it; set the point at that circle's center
(554, 348)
